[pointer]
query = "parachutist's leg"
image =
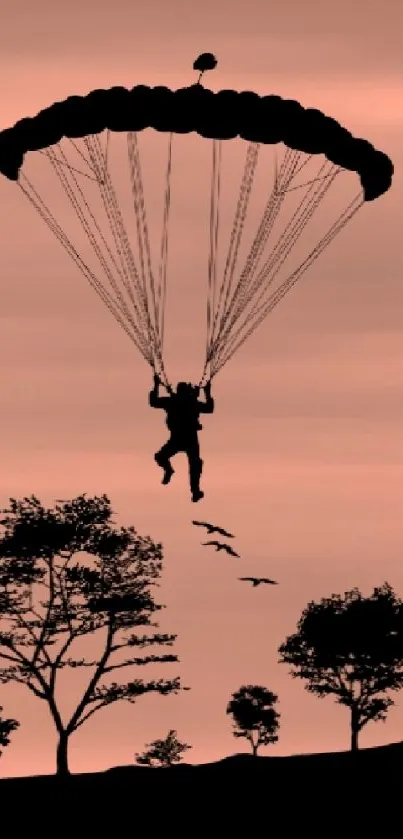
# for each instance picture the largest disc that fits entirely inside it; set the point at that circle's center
(195, 471)
(163, 458)
(195, 475)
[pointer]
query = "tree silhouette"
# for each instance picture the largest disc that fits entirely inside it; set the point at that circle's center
(6, 727)
(351, 647)
(47, 602)
(254, 715)
(163, 752)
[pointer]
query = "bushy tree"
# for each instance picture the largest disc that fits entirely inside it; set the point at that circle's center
(6, 727)
(164, 752)
(254, 715)
(351, 647)
(48, 602)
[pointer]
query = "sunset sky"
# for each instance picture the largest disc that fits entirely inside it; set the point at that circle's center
(304, 455)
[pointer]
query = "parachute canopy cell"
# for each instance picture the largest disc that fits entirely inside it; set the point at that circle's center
(223, 115)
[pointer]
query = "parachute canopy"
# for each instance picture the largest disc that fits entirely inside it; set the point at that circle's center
(220, 116)
(236, 305)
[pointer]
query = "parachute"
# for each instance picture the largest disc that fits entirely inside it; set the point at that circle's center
(74, 138)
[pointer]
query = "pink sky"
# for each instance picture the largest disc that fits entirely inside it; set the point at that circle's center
(304, 456)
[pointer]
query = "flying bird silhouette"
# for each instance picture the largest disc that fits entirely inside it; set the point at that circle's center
(220, 546)
(213, 528)
(257, 580)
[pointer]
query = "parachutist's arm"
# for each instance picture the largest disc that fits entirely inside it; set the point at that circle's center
(154, 400)
(207, 407)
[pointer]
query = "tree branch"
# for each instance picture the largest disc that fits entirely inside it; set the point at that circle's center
(56, 662)
(36, 675)
(41, 639)
(71, 725)
(9, 658)
(24, 625)
(62, 592)
(150, 659)
(90, 713)
(28, 664)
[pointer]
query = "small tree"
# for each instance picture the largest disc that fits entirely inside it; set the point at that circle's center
(254, 716)
(351, 647)
(6, 727)
(163, 752)
(47, 602)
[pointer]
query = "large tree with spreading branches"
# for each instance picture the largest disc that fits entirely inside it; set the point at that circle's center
(67, 573)
(351, 647)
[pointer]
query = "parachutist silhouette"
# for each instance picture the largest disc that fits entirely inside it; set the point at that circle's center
(220, 546)
(182, 409)
(257, 580)
(212, 528)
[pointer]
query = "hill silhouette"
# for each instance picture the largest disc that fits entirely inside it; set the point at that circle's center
(361, 790)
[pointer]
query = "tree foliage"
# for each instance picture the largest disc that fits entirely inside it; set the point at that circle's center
(351, 647)
(50, 598)
(6, 727)
(164, 752)
(254, 715)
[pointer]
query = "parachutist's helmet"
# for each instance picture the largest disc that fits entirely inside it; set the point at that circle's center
(186, 391)
(183, 389)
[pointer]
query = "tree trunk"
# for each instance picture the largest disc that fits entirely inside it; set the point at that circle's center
(254, 748)
(62, 766)
(354, 729)
(354, 739)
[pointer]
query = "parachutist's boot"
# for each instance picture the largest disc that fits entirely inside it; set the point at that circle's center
(168, 472)
(197, 495)
(166, 466)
